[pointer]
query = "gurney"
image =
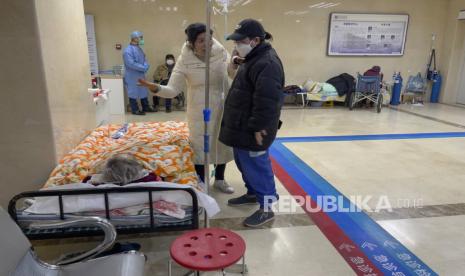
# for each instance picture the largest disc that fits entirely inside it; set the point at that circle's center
(171, 205)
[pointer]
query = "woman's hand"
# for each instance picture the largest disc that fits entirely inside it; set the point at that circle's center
(150, 85)
(236, 60)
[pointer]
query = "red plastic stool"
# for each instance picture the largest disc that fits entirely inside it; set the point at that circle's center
(208, 249)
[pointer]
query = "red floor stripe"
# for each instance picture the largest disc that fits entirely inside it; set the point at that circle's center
(343, 244)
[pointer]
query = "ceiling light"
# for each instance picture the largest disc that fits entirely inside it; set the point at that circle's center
(332, 5)
(316, 5)
(301, 12)
(216, 11)
(247, 2)
(238, 2)
(324, 5)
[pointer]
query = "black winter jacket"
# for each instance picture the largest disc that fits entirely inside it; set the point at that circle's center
(254, 101)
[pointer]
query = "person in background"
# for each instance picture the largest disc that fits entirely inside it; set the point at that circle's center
(135, 68)
(251, 117)
(162, 76)
(374, 71)
(190, 69)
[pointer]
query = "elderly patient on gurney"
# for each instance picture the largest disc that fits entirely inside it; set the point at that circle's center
(125, 170)
(122, 169)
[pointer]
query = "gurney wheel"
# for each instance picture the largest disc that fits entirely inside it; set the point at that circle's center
(379, 104)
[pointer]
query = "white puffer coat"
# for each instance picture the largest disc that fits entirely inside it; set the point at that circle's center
(191, 70)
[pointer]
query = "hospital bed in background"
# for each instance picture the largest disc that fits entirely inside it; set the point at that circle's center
(317, 92)
(324, 97)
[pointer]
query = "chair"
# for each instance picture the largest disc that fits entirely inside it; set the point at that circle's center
(17, 257)
(208, 249)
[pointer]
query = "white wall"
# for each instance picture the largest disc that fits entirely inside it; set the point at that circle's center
(66, 65)
(454, 52)
(45, 110)
(302, 46)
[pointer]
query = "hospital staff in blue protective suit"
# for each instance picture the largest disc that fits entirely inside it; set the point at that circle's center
(135, 68)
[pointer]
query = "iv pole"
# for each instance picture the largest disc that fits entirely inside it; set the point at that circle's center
(207, 111)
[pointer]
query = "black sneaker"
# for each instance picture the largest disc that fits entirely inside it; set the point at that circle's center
(259, 218)
(243, 200)
(155, 108)
(149, 109)
(168, 110)
(138, 112)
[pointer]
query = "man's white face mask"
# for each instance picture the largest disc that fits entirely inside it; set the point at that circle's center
(244, 49)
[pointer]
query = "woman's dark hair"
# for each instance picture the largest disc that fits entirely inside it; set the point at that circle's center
(267, 36)
(194, 30)
(169, 56)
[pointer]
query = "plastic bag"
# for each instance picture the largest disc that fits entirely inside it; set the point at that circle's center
(120, 132)
(416, 83)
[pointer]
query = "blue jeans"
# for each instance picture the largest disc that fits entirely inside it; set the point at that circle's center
(257, 174)
(135, 107)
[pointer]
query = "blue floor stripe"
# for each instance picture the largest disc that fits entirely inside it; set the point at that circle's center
(370, 137)
(350, 228)
(357, 225)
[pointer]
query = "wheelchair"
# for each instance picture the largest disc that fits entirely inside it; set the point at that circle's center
(368, 88)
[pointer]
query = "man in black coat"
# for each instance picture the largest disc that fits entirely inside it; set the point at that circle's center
(251, 116)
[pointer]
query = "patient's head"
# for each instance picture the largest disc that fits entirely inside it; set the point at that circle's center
(122, 169)
(376, 68)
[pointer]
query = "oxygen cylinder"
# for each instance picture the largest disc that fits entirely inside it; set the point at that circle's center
(436, 88)
(396, 89)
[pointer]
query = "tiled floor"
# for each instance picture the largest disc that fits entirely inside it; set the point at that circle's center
(439, 242)
(447, 113)
(431, 170)
(401, 169)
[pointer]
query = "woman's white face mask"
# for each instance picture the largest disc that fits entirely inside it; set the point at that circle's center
(170, 62)
(244, 48)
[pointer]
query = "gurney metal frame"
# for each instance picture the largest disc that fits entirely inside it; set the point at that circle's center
(19, 258)
(38, 234)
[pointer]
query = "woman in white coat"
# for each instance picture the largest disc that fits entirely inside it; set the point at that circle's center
(190, 69)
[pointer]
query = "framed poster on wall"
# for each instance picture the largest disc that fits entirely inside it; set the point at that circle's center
(353, 34)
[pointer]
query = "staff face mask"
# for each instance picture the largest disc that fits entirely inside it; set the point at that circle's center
(141, 42)
(244, 49)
